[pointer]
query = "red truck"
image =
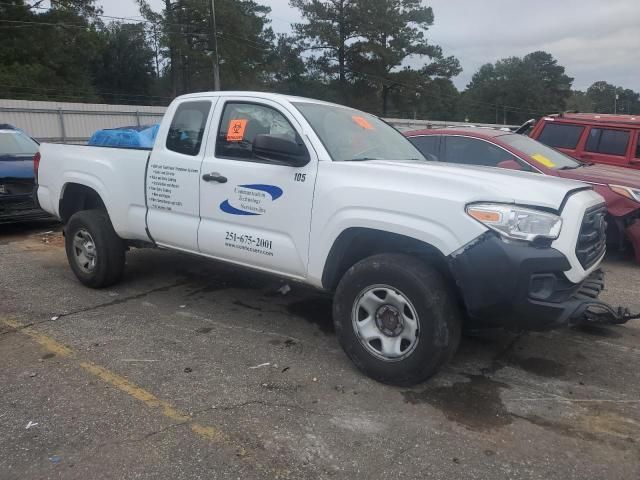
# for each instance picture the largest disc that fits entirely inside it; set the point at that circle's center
(593, 137)
(496, 148)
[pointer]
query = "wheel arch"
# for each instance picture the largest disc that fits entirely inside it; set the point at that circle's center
(75, 197)
(357, 243)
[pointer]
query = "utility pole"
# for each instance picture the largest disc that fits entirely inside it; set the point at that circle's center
(173, 57)
(615, 104)
(214, 39)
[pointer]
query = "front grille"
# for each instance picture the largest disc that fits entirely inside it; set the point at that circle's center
(592, 240)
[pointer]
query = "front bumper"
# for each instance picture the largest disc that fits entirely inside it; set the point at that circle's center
(519, 286)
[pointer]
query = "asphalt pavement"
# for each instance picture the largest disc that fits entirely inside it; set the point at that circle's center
(191, 369)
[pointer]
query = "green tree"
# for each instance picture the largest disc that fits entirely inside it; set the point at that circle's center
(628, 101)
(329, 26)
(389, 32)
(244, 42)
(286, 71)
(364, 43)
(48, 54)
(579, 102)
(123, 69)
(515, 89)
(603, 97)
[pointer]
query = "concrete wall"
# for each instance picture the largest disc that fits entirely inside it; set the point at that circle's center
(73, 122)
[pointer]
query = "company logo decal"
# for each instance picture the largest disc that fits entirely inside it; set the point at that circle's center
(253, 199)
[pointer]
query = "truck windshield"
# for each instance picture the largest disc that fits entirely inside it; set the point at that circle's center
(352, 135)
(540, 154)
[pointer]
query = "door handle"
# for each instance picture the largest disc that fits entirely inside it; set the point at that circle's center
(214, 177)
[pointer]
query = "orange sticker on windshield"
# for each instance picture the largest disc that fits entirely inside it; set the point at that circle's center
(235, 132)
(362, 122)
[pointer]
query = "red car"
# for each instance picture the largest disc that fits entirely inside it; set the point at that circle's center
(593, 137)
(496, 148)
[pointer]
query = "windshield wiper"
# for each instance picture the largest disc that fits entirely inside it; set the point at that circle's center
(567, 167)
(361, 159)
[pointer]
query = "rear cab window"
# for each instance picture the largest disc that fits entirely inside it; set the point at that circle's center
(187, 127)
(561, 135)
(608, 141)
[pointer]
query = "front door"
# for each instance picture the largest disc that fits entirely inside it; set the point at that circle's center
(255, 212)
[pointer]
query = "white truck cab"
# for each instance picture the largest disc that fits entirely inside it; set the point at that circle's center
(336, 198)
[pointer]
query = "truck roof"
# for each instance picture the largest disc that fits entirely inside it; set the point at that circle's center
(265, 95)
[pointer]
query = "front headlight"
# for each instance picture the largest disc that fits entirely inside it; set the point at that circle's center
(631, 193)
(515, 222)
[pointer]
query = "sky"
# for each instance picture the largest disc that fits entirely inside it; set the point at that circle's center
(593, 39)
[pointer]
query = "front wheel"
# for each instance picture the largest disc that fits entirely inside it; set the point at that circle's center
(396, 318)
(95, 252)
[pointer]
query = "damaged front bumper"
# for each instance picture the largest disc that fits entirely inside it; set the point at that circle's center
(522, 287)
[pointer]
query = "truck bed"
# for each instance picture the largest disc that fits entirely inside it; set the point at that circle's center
(117, 174)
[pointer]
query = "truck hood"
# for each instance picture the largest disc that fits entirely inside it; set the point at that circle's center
(608, 174)
(488, 183)
(16, 166)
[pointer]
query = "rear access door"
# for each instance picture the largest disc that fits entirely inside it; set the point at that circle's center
(173, 175)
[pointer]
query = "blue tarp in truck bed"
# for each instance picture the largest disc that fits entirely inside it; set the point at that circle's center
(125, 137)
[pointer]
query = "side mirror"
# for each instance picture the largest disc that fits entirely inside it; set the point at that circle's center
(510, 164)
(275, 148)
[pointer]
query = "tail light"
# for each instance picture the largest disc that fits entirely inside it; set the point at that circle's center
(36, 165)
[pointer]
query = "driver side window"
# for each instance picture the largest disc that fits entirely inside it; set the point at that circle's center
(242, 122)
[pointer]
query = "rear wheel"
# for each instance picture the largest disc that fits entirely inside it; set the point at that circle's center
(396, 318)
(95, 252)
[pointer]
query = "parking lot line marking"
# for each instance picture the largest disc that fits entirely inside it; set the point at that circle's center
(135, 391)
(206, 432)
(47, 342)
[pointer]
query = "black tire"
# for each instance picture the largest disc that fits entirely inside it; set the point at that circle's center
(109, 248)
(439, 317)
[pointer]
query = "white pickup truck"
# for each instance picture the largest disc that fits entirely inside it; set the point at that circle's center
(337, 199)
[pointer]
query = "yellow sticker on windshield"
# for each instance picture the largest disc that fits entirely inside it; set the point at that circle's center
(538, 157)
